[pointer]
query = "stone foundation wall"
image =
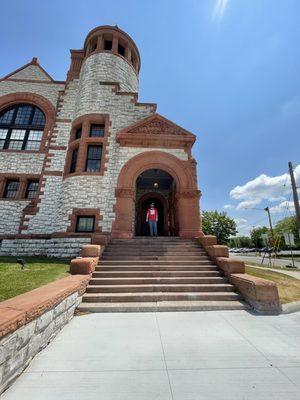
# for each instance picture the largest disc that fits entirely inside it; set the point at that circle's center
(28, 322)
(55, 247)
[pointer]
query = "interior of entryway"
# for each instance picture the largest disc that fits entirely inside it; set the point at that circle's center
(158, 187)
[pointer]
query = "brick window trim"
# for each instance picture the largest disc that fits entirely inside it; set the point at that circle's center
(85, 212)
(84, 141)
(23, 182)
(41, 102)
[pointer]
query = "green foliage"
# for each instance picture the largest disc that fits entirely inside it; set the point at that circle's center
(287, 225)
(219, 225)
(38, 271)
(240, 241)
(256, 236)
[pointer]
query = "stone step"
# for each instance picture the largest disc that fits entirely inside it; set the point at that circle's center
(155, 262)
(164, 306)
(157, 280)
(130, 257)
(155, 245)
(139, 239)
(223, 287)
(158, 296)
(126, 252)
(145, 274)
(156, 268)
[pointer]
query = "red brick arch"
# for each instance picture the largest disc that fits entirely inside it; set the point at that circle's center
(187, 194)
(31, 98)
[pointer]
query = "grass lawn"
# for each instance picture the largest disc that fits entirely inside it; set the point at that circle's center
(288, 287)
(266, 265)
(38, 271)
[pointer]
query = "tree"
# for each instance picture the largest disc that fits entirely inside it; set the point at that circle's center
(287, 225)
(256, 236)
(219, 225)
(240, 241)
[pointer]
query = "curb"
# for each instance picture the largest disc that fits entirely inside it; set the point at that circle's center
(292, 307)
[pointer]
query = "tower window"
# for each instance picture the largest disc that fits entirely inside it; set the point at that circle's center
(11, 189)
(93, 162)
(93, 45)
(107, 44)
(74, 161)
(31, 189)
(78, 133)
(21, 127)
(85, 224)
(121, 50)
(97, 130)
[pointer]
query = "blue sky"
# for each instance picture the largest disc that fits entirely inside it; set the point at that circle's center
(227, 70)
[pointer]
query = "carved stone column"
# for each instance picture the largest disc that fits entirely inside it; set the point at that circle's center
(188, 212)
(122, 226)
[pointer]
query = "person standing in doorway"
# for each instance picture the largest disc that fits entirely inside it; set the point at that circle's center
(152, 218)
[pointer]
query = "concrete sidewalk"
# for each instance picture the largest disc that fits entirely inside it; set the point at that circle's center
(229, 355)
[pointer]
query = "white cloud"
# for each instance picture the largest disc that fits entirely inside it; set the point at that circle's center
(248, 204)
(219, 9)
(243, 227)
(283, 207)
(264, 187)
(228, 206)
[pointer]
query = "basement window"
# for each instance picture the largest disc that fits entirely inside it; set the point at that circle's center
(85, 224)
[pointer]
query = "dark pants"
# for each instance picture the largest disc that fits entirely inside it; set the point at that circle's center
(153, 228)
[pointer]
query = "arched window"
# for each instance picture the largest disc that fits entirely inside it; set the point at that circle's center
(21, 127)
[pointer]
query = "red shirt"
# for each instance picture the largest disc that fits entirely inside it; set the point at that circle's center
(152, 214)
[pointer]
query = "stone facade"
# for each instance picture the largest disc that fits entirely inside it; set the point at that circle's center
(102, 84)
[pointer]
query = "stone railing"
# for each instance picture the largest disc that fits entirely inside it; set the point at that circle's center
(261, 294)
(30, 321)
(88, 261)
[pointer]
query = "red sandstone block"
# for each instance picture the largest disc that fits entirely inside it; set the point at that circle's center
(22, 309)
(217, 251)
(90, 250)
(231, 265)
(207, 240)
(261, 293)
(83, 266)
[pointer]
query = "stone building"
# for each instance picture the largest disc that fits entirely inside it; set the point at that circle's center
(81, 159)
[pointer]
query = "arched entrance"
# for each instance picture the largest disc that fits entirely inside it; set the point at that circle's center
(185, 220)
(155, 186)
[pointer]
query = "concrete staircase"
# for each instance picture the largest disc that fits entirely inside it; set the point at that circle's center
(157, 274)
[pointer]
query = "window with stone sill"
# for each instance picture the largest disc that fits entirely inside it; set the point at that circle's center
(85, 224)
(78, 133)
(11, 189)
(96, 130)
(93, 161)
(31, 189)
(73, 161)
(21, 127)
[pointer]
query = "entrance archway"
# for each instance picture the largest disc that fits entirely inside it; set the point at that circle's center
(154, 186)
(185, 202)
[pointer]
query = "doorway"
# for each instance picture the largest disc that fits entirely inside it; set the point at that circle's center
(158, 187)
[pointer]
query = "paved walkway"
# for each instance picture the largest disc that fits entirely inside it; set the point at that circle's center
(280, 262)
(230, 355)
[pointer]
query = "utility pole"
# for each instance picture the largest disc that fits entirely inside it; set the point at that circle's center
(270, 221)
(295, 196)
